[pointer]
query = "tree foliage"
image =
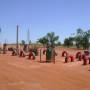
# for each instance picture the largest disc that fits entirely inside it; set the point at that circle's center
(23, 42)
(68, 41)
(49, 39)
(43, 40)
(52, 39)
(82, 39)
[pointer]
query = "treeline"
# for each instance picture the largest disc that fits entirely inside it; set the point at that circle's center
(49, 39)
(80, 40)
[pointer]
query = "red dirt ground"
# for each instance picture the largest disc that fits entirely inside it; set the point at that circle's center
(23, 74)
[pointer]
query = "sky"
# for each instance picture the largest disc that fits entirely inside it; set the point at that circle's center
(63, 17)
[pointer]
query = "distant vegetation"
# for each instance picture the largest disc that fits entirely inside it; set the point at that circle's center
(80, 40)
(49, 39)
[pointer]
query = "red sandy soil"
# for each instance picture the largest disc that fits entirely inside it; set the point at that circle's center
(22, 74)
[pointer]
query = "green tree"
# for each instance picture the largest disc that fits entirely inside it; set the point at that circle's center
(79, 38)
(86, 39)
(82, 39)
(69, 41)
(30, 42)
(49, 39)
(23, 42)
(52, 39)
(66, 42)
(58, 43)
(43, 41)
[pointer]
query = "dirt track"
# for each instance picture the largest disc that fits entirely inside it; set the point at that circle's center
(22, 74)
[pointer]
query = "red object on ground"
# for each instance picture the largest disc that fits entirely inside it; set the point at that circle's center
(22, 54)
(79, 57)
(77, 54)
(85, 60)
(31, 56)
(89, 59)
(64, 53)
(54, 61)
(66, 59)
(44, 51)
(14, 53)
(83, 56)
(71, 58)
